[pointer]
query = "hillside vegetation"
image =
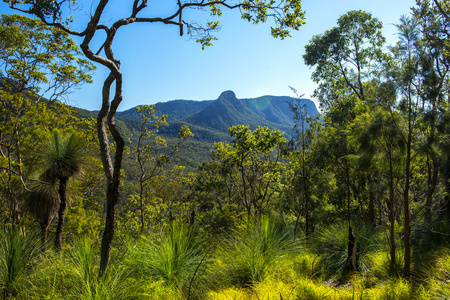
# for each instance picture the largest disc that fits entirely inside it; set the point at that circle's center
(232, 198)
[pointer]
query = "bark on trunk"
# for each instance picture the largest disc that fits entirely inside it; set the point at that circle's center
(407, 224)
(391, 217)
(351, 257)
(432, 183)
(112, 170)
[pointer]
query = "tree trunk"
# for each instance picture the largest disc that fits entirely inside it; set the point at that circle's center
(61, 212)
(391, 218)
(44, 229)
(108, 233)
(432, 183)
(371, 209)
(351, 257)
(407, 217)
(112, 171)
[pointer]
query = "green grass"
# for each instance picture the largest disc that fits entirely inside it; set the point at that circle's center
(73, 274)
(176, 257)
(18, 252)
(250, 255)
(260, 261)
(332, 244)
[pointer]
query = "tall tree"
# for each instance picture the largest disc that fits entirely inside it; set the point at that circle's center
(300, 146)
(435, 65)
(346, 58)
(378, 136)
(406, 74)
(286, 15)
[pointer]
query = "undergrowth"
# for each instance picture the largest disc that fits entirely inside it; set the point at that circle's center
(262, 261)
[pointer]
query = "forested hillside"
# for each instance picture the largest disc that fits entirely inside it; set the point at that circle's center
(230, 198)
(209, 121)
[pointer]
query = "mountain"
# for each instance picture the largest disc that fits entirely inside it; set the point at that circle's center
(210, 120)
(175, 109)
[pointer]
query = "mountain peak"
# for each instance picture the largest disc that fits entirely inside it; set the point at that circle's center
(230, 95)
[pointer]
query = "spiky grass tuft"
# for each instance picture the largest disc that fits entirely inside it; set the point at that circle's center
(17, 253)
(250, 255)
(332, 243)
(177, 257)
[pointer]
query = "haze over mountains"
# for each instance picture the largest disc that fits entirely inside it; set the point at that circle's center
(209, 120)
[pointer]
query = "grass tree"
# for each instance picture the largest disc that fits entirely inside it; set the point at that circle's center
(42, 203)
(63, 156)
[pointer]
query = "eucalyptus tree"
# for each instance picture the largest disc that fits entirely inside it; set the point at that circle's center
(147, 152)
(35, 61)
(300, 148)
(405, 72)
(252, 167)
(63, 157)
(346, 58)
(434, 67)
(286, 14)
(39, 59)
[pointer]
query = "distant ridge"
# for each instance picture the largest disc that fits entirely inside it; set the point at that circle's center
(174, 109)
(210, 119)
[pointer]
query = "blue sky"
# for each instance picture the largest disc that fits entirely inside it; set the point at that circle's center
(158, 65)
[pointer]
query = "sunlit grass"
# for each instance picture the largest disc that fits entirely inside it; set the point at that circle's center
(438, 277)
(177, 258)
(18, 251)
(252, 254)
(332, 244)
(73, 274)
(178, 265)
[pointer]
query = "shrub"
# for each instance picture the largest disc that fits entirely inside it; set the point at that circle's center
(252, 253)
(332, 244)
(73, 274)
(17, 253)
(176, 258)
(431, 237)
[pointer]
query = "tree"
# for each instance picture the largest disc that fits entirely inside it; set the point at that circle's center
(36, 57)
(406, 74)
(300, 146)
(434, 64)
(63, 157)
(286, 15)
(42, 201)
(251, 169)
(346, 59)
(33, 57)
(146, 152)
(378, 135)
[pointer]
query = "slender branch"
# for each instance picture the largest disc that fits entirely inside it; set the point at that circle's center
(22, 178)
(438, 5)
